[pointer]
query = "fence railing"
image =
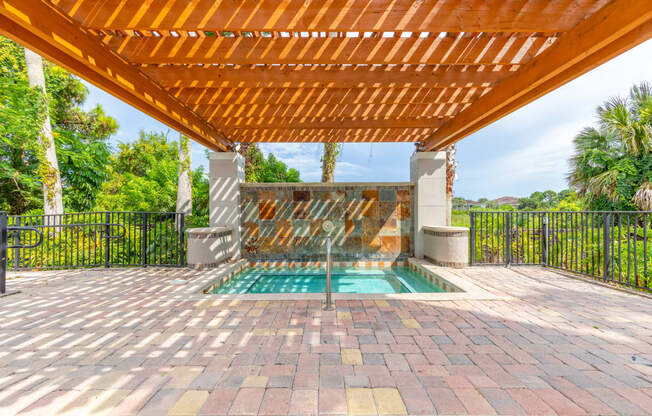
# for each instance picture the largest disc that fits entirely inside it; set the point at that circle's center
(614, 246)
(96, 239)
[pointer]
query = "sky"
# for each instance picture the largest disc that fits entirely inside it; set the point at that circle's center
(526, 151)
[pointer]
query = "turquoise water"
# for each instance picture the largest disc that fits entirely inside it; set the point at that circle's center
(313, 280)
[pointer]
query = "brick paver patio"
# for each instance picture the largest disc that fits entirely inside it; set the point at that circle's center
(110, 342)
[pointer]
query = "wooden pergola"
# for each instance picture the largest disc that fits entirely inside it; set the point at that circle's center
(424, 71)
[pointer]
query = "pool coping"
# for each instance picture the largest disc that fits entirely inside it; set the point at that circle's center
(194, 289)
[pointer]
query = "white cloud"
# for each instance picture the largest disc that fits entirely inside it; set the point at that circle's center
(306, 158)
(546, 156)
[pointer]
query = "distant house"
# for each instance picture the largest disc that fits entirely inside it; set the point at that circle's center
(506, 200)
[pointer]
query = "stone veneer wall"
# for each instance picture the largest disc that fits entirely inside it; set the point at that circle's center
(372, 221)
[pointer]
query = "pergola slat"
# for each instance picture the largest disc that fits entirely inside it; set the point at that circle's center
(278, 96)
(468, 49)
(335, 16)
(52, 35)
(336, 123)
(328, 135)
(216, 113)
(429, 71)
(211, 77)
(583, 48)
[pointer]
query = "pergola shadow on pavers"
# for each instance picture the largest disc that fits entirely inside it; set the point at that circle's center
(112, 342)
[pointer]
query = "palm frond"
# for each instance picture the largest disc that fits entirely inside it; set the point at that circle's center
(603, 185)
(643, 197)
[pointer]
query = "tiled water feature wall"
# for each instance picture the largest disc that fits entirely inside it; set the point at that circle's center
(373, 221)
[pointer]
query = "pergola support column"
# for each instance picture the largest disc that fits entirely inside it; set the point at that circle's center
(428, 175)
(226, 173)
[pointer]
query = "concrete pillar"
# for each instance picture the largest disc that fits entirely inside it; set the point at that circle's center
(428, 174)
(226, 172)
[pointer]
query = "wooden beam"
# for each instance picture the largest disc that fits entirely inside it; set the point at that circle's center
(216, 113)
(283, 96)
(467, 49)
(44, 30)
(336, 123)
(345, 77)
(327, 135)
(336, 15)
(612, 30)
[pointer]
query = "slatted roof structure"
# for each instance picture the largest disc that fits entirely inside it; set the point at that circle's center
(424, 71)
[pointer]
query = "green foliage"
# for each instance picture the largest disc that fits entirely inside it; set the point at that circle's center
(21, 117)
(614, 161)
(80, 136)
(460, 218)
(200, 196)
(276, 171)
(143, 176)
(271, 169)
(575, 242)
(566, 200)
(83, 162)
(84, 244)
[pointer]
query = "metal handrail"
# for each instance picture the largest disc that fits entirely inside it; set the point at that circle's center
(38, 232)
(109, 226)
(329, 304)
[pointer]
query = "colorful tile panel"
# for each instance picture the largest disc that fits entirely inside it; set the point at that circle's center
(371, 222)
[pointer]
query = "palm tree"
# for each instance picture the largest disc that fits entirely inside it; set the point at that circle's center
(451, 164)
(612, 164)
(184, 185)
(331, 150)
(49, 169)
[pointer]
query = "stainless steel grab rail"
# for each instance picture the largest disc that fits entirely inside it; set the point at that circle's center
(329, 304)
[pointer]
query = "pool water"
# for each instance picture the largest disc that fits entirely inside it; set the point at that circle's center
(313, 280)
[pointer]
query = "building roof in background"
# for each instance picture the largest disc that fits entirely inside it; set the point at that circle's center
(506, 200)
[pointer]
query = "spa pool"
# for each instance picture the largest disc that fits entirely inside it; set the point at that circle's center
(398, 279)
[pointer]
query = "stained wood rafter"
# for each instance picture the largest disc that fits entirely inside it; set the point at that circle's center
(292, 95)
(56, 37)
(440, 49)
(335, 16)
(318, 76)
(612, 30)
(431, 71)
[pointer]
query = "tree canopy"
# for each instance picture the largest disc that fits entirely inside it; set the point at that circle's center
(81, 137)
(612, 163)
(566, 200)
(270, 169)
(138, 176)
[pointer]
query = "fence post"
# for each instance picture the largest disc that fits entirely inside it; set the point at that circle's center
(143, 239)
(181, 239)
(472, 238)
(544, 240)
(4, 235)
(107, 240)
(606, 245)
(508, 238)
(18, 242)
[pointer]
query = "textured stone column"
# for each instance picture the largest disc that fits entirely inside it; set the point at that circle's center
(226, 172)
(428, 174)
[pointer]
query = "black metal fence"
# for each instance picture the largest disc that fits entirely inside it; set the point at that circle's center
(614, 246)
(95, 239)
